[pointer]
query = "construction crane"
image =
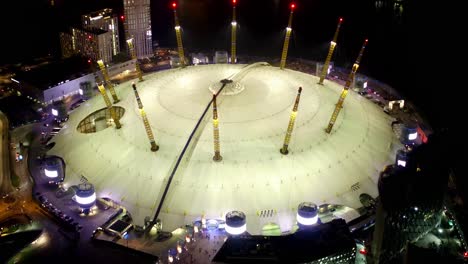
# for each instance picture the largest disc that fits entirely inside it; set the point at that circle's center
(109, 106)
(233, 33)
(330, 52)
(217, 155)
(109, 85)
(149, 132)
(178, 36)
(284, 54)
(134, 57)
(292, 119)
(351, 75)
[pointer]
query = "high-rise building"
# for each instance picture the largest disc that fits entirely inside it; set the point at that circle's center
(93, 43)
(411, 200)
(138, 26)
(98, 37)
(105, 20)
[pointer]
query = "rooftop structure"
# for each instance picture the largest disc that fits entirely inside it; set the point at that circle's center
(253, 175)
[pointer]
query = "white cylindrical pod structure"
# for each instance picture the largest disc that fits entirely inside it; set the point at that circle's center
(85, 195)
(307, 214)
(236, 223)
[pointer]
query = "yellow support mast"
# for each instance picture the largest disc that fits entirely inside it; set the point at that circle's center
(217, 155)
(134, 57)
(109, 106)
(149, 132)
(330, 52)
(284, 54)
(233, 33)
(178, 36)
(292, 119)
(107, 81)
(351, 75)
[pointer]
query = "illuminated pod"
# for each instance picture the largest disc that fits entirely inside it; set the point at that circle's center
(85, 195)
(330, 52)
(217, 155)
(292, 119)
(109, 105)
(339, 104)
(307, 214)
(134, 57)
(236, 223)
(107, 81)
(180, 47)
(233, 33)
(284, 54)
(149, 132)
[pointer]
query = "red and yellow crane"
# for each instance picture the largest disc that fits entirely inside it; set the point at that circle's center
(233, 33)
(109, 106)
(350, 79)
(284, 54)
(217, 151)
(134, 57)
(149, 132)
(108, 83)
(330, 52)
(180, 47)
(292, 119)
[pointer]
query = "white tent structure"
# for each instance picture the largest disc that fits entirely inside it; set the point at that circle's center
(253, 175)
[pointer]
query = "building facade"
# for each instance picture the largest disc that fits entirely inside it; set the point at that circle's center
(98, 37)
(411, 200)
(137, 25)
(92, 43)
(104, 20)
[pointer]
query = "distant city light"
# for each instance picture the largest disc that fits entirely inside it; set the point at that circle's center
(234, 23)
(54, 112)
(364, 85)
(440, 230)
(50, 174)
(401, 163)
(416, 208)
(288, 28)
(413, 136)
(177, 27)
(16, 81)
(179, 248)
(122, 17)
(293, 6)
(96, 17)
(341, 19)
(174, 5)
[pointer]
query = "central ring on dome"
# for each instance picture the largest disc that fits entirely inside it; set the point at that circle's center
(231, 88)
